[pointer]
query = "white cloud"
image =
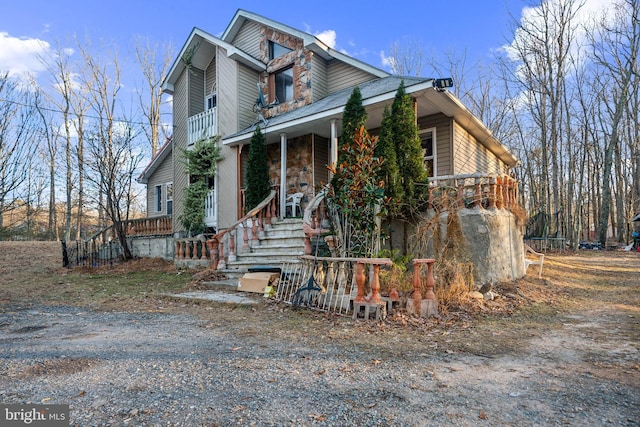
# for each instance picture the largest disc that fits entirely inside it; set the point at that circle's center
(22, 57)
(387, 61)
(328, 37)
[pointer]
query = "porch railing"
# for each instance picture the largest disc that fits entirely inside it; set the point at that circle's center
(191, 249)
(314, 218)
(246, 229)
(201, 126)
(473, 190)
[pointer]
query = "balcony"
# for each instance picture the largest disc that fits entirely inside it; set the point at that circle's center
(202, 126)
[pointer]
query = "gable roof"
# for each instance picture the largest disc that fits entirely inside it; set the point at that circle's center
(194, 42)
(157, 160)
(310, 42)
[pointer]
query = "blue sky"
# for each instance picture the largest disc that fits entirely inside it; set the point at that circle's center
(365, 32)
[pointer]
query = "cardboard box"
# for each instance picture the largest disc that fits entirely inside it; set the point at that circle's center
(256, 282)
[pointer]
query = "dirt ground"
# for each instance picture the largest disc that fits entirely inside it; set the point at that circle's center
(564, 350)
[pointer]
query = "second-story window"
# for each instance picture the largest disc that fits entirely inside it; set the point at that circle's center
(276, 50)
(283, 85)
(211, 101)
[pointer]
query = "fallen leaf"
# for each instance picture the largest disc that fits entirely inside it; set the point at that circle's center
(482, 415)
(318, 417)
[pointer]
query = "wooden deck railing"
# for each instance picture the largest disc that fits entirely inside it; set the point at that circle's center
(155, 226)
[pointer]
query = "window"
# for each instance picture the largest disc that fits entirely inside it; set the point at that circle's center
(157, 196)
(283, 84)
(170, 198)
(276, 50)
(211, 101)
(428, 138)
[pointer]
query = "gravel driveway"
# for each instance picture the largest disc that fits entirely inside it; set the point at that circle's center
(245, 368)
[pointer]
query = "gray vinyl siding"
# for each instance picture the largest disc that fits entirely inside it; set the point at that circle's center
(228, 114)
(341, 76)
(180, 115)
(227, 94)
(471, 156)
(210, 78)
(227, 186)
(196, 91)
(442, 124)
(319, 78)
(248, 39)
(247, 94)
(161, 176)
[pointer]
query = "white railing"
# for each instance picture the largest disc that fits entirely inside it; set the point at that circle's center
(210, 209)
(201, 126)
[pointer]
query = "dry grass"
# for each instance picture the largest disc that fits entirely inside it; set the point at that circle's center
(32, 273)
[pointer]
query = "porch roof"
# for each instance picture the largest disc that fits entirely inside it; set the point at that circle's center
(162, 153)
(376, 94)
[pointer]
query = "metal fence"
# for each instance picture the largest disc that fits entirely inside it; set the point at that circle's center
(320, 283)
(90, 253)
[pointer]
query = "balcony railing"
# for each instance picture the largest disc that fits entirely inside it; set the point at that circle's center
(211, 209)
(201, 126)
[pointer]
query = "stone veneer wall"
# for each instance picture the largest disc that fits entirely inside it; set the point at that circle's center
(299, 58)
(299, 166)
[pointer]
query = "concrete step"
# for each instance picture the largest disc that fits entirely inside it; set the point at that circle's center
(283, 241)
(280, 246)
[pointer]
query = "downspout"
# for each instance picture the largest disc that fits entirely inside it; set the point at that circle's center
(239, 181)
(333, 155)
(283, 174)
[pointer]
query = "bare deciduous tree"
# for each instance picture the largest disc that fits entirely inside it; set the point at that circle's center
(615, 47)
(154, 63)
(17, 126)
(113, 158)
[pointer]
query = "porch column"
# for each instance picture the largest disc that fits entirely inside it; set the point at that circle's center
(283, 175)
(333, 151)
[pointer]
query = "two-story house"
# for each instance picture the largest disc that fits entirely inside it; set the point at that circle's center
(303, 85)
